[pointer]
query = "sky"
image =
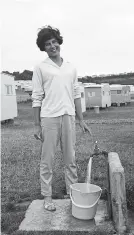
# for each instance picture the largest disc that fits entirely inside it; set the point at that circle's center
(98, 34)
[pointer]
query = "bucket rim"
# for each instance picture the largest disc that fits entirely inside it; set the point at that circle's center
(99, 188)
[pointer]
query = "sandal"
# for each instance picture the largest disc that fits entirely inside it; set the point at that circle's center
(67, 196)
(49, 206)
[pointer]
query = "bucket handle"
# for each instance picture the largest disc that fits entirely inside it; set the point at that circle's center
(84, 206)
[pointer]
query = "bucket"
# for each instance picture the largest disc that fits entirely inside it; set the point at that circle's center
(96, 109)
(84, 199)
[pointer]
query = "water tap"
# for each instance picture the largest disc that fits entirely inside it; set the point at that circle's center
(96, 148)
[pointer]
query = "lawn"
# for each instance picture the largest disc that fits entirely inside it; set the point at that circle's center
(113, 128)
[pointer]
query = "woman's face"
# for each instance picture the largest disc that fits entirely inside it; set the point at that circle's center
(52, 47)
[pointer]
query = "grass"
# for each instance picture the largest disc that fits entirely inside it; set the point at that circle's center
(96, 232)
(112, 128)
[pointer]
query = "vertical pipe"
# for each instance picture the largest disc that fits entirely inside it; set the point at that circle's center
(109, 205)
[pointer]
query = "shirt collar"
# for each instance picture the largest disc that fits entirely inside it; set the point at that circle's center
(49, 61)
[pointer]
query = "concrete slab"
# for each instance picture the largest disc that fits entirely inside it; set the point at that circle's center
(38, 219)
(118, 193)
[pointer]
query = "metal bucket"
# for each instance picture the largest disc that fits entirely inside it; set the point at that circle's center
(96, 109)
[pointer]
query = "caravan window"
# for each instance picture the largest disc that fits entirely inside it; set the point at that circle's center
(91, 94)
(9, 90)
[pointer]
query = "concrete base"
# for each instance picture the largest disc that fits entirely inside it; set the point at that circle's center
(38, 219)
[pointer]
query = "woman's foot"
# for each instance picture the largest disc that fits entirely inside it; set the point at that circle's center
(67, 196)
(48, 204)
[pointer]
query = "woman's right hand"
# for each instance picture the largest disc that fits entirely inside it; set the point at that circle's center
(38, 133)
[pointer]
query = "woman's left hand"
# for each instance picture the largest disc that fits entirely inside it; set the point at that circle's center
(84, 127)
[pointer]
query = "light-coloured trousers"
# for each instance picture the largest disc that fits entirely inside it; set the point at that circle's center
(54, 130)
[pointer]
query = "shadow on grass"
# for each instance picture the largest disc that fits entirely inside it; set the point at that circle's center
(11, 221)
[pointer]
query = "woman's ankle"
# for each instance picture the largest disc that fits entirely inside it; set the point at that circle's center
(48, 198)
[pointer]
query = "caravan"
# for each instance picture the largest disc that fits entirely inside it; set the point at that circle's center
(97, 95)
(120, 94)
(8, 97)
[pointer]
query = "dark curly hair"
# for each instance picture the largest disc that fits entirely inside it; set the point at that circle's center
(46, 33)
